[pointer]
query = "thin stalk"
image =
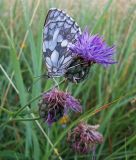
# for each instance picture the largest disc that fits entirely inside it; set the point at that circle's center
(46, 136)
(35, 98)
(5, 110)
(21, 119)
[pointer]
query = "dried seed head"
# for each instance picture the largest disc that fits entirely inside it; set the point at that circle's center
(84, 138)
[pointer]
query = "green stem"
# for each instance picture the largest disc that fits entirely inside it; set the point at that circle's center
(7, 111)
(22, 108)
(26, 119)
(35, 98)
(19, 119)
(46, 136)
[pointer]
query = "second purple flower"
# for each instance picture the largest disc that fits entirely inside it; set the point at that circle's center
(55, 104)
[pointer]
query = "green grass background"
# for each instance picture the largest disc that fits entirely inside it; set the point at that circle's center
(24, 138)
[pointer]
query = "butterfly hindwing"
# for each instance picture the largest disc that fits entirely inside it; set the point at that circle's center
(60, 30)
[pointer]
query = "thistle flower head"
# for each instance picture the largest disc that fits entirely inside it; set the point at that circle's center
(84, 138)
(92, 48)
(55, 104)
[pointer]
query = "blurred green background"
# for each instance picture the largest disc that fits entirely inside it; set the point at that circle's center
(23, 138)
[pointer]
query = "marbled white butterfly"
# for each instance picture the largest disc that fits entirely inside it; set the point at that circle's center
(60, 31)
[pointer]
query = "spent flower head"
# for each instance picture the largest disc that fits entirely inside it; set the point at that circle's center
(93, 48)
(55, 104)
(84, 138)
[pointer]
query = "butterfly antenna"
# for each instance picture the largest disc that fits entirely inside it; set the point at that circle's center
(38, 78)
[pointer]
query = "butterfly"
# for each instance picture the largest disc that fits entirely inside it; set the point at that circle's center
(59, 32)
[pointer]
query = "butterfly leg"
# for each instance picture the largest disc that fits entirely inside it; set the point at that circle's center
(75, 80)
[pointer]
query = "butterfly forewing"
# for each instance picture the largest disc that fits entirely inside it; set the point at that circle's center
(60, 30)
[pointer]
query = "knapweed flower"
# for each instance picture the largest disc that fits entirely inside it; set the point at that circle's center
(84, 137)
(55, 104)
(92, 48)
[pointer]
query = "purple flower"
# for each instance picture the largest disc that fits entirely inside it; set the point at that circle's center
(55, 104)
(92, 48)
(84, 138)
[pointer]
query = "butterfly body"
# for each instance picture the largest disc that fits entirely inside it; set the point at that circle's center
(78, 70)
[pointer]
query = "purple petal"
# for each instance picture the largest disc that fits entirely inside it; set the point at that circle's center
(73, 104)
(92, 48)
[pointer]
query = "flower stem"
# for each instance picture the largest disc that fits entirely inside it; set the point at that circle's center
(35, 98)
(46, 136)
(18, 119)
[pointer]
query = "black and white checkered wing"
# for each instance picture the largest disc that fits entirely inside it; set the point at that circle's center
(60, 30)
